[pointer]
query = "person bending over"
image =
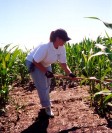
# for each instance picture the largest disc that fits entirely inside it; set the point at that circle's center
(39, 61)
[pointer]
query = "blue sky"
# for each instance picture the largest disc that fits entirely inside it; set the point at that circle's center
(29, 22)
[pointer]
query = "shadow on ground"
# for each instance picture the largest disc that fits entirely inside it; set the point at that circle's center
(82, 129)
(69, 130)
(40, 125)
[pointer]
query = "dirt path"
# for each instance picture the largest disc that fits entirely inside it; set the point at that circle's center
(71, 108)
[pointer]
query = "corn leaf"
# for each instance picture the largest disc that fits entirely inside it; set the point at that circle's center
(104, 92)
(93, 18)
(7, 57)
(107, 98)
(3, 63)
(98, 54)
(108, 25)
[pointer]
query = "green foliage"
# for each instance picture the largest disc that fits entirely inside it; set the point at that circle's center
(12, 66)
(101, 100)
(86, 59)
(7, 76)
(21, 70)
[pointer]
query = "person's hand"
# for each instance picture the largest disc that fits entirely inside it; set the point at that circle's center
(72, 75)
(49, 74)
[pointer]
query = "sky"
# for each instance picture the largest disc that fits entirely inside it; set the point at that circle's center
(29, 22)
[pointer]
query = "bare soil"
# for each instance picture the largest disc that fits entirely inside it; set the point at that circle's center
(71, 106)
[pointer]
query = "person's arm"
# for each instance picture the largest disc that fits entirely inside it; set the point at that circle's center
(40, 66)
(66, 68)
(48, 74)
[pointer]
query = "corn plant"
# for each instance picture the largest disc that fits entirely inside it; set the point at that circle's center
(102, 101)
(21, 69)
(7, 74)
(101, 97)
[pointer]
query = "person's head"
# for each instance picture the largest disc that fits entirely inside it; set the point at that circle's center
(59, 35)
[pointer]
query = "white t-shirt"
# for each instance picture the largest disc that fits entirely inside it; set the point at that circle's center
(47, 54)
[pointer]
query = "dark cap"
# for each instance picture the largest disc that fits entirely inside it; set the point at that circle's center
(62, 34)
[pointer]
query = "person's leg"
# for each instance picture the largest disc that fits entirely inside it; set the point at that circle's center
(42, 84)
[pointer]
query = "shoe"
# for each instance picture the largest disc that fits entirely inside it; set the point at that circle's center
(49, 112)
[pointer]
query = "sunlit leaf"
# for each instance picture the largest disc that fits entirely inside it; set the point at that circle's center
(101, 46)
(3, 63)
(98, 54)
(7, 57)
(104, 92)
